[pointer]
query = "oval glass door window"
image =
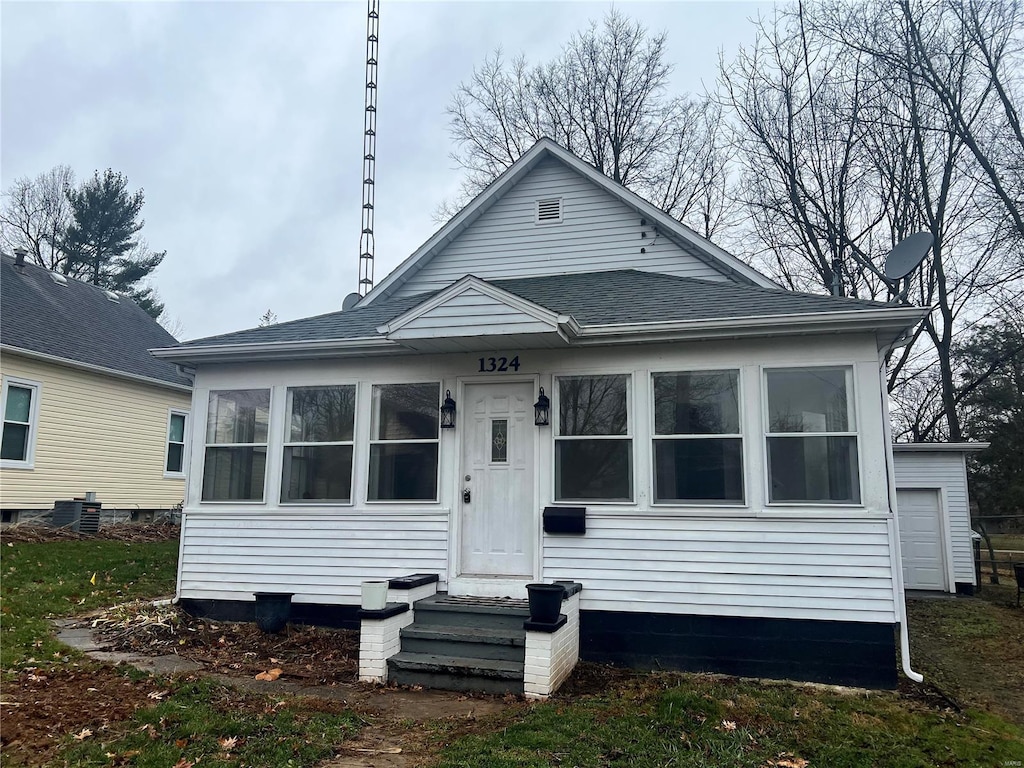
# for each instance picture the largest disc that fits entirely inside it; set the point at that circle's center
(499, 441)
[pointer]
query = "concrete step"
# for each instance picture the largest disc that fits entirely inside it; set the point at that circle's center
(452, 673)
(465, 642)
(479, 612)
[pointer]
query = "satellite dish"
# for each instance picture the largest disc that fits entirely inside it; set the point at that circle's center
(907, 254)
(350, 301)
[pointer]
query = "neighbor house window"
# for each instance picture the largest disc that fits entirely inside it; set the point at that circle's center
(812, 436)
(176, 423)
(318, 444)
(593, 448)
(20, 403)
(698, 449)
(236, 445)
(404, 442)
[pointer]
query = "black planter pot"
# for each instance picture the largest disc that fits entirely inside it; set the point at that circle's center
(273, 609)
(545, 602)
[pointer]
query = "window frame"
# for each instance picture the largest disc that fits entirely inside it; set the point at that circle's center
(374, 418)
(741, 415)
(852, 417)
(36, 388)
(630, 436)
(171, 413)
(285, 444)
(267, 461)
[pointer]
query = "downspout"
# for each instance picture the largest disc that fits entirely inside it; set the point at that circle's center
(895, 556)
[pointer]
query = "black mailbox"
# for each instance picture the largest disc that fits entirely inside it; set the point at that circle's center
(565, 520)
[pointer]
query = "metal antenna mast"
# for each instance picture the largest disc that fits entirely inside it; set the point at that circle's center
(369, 149)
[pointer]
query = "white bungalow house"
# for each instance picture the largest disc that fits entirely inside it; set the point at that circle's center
(714, 469)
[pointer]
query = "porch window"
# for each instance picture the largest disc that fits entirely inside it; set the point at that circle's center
(175, 464)
(235, 465)
(593, 447)
(19, 405)
(404, 442)
(811, 436)
(698, 446)
(318, 444)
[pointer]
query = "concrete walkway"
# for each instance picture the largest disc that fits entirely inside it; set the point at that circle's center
(383, 742)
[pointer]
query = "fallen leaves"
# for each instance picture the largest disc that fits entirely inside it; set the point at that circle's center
(786, 760)
(228, 743)
(270, 675)
(157, 695)
(83, 734)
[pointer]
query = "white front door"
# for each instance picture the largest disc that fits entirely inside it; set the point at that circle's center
(497, 494)
(921, 542)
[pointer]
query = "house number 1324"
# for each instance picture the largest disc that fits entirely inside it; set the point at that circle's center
(496, 364)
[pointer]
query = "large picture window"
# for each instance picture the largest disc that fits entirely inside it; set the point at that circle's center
(404, 442)
(811, 436)
(20, 407)
(237, 425)
(317, 462)
(698, 448)
(593, 447)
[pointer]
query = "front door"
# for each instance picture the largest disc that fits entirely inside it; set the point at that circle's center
(497, 495)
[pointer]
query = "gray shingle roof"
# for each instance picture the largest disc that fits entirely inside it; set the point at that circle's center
(77, 322)
(593, 298)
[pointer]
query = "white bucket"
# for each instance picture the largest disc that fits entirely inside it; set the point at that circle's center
(375, 595)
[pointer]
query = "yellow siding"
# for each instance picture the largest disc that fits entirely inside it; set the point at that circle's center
(95, 433)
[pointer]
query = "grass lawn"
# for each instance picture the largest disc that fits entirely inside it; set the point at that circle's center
(63, 709)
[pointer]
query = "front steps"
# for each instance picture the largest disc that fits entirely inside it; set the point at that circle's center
(463, 644)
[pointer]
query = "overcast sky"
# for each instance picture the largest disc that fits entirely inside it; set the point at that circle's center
(243, 122)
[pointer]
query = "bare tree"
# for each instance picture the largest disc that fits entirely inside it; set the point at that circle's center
(605, 99)
(36, 213)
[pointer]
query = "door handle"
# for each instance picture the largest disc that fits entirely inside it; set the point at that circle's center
(466, 495)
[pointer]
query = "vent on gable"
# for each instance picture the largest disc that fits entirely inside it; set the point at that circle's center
(549, 211)
(58, 279)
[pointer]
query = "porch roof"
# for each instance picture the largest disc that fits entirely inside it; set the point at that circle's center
(602, 305)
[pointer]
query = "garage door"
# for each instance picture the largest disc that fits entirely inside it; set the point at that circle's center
(924, 563)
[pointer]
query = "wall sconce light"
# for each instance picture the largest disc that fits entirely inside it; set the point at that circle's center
(542, 410)
(448, 411)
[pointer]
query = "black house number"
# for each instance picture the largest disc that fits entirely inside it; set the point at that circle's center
(498, 364)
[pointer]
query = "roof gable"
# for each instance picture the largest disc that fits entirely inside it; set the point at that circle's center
(79, 323)
(473, 314)
(651, 240)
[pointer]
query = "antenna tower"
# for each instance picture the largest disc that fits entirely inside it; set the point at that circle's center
(369, 149)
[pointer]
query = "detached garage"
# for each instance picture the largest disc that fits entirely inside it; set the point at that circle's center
(934, 515)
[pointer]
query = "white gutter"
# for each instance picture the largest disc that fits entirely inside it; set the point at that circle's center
(280, 349)
(938, 447)
(895, 555)
(56, 360)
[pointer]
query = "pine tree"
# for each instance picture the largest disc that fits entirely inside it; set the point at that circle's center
(101, 243)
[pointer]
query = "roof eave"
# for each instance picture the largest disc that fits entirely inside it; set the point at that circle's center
(91, 368)
(938, 447)
(279, 350)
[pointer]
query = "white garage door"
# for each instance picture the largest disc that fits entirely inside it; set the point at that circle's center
(924, 562)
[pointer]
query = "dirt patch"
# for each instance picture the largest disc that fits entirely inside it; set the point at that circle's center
(39, 709)
(128, 532)
(972, 650)
(313, 655)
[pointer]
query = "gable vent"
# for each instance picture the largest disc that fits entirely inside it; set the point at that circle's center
(549, 211)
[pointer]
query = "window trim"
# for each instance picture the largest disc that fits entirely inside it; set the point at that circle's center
(267, 464)
(630, 435)
(741, 415)
(33, 420)
(372, 441)
(285, 430)
(171, 412)
(852, 415)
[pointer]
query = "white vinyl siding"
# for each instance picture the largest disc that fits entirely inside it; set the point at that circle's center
(794, 569)
(943, 470)
(321, 558)
(95, 433)
(598, 232)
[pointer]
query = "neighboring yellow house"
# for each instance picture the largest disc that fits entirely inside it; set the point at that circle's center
(84, 406)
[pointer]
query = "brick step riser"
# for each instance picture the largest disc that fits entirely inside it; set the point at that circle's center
(464, 649)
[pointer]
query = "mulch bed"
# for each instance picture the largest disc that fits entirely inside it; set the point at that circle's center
(129, 532)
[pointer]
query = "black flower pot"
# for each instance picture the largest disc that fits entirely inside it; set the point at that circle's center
(545, 602)
(273, 609)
